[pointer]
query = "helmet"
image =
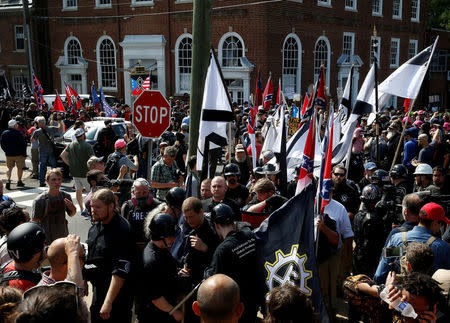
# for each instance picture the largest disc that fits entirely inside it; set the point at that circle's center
(398, 171)
(380, 177)
(231, 169)
(222, 214)
(162, 226)
(371, 194)
(175, 197)
(423, 169)
(25, 240)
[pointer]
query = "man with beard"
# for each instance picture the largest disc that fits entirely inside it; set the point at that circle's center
(423, 177)
(440, 181)
(240, 159)
(345, 191)
(393, 140)
(236, 191)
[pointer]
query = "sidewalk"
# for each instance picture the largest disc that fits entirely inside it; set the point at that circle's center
(26, 176)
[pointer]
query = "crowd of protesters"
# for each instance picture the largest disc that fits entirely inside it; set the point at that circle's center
(384, 234)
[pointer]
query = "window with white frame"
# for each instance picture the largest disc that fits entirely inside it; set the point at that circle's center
(183, 61)
(395, 52)
(103, 3)
(377, 7)
(291, 64)
(70, 4)
(73, 51)
(322, 54)
(350, 4)
(415, 10)
(348, 46)
(326, 3)
(412, 49)
(19, 38)
(106, 58)
(375, 46)
(142, 2)
(232, 51)
(397, 9)
(18, 82)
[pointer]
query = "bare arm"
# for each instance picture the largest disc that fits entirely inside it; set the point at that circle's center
(113, 290)
(65, 156)
(72, 247)
(163, 185)
(162, 304)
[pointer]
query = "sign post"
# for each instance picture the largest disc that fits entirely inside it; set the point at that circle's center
(151, 116)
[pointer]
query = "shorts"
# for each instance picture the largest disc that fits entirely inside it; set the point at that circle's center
(11, 161)
(80, 183)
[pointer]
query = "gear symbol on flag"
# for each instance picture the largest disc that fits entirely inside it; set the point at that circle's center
(288, 269)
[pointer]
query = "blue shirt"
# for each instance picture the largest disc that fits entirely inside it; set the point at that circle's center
(406, 226)
(409, 152)
(440, 249)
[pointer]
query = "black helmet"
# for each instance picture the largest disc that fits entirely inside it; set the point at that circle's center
(222, 214)
(371, 194)
(162, 226)
(25, 240)
(175, 197)
(380, 177)
(398, 171)
(270, 169)
(231, 169)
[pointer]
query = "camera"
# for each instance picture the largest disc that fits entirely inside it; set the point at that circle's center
(392, 252)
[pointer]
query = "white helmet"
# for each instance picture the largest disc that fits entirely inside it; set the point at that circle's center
(423, 169)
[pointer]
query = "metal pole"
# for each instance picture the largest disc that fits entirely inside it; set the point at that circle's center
(26, 24)
(149, 158)
(201, 40)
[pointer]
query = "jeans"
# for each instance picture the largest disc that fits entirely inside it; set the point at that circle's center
(35, 160)
(44, 159)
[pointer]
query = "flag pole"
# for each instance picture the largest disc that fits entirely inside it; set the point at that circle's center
(377, 127)
(412, 104)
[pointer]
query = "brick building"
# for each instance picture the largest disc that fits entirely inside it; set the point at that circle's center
(100, 40)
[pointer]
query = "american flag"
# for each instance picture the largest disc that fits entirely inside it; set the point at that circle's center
(38, 91)
(325, 174)
(109, 112)
(147, 85)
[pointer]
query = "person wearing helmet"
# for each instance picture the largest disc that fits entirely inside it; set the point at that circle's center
(235, 257)
(25, 245)
(367, 227)
(110, 260)
(218, 189)
(174, 199)
(380, 178)
(136, 209)
(159, 286)
(431, 219)
(399, 178)
(236, 191)
(423, 177)
(240, 159)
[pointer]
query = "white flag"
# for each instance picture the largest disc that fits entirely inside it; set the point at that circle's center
(216, 112)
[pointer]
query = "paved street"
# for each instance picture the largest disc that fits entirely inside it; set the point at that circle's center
(24, 196)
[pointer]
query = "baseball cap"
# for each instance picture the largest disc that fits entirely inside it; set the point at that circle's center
(12, 123)
(120, 143)
(93, 160)
(433, 211)
(163, 144)
(79, 132)
(240, 148)
(413, 132)
(447, 125)
(417, 123)
(370, 166)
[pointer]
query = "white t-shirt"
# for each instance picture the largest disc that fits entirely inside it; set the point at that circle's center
(4, 256)
(337, 212)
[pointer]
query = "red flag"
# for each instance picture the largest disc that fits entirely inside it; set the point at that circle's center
(268, 94)
(72, 96)
(258, 91)
(321, 98)
(327, 171)
(68, 94)
(279, 92)
(305, 104)
(57, 105)
(307, 167)
(38, 92)
(407, 104)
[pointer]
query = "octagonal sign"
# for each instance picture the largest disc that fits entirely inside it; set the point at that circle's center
(151, 114)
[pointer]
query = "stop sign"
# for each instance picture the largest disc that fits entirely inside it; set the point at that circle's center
(151, 114)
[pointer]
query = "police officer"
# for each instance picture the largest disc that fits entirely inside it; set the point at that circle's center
(108, 264)
(136, 209)
(367, 227)
(236, 258)
(25, 245)
(159, 287)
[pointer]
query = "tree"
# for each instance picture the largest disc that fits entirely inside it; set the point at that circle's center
(439, 14)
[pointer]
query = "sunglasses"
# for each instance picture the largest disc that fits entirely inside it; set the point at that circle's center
(339, 174)
(67, 287)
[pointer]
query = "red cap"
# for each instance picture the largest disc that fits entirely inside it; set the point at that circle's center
(433, 211)
(120, 143)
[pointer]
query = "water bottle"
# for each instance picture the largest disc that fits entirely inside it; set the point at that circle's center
(403, 307)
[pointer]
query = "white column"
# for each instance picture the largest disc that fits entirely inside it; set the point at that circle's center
(161, 66)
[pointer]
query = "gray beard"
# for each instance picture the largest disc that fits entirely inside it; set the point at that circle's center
(240, 160)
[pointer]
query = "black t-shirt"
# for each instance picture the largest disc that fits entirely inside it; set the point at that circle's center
(136, 215)
(348, 196)
(238, 194)
(209, 204)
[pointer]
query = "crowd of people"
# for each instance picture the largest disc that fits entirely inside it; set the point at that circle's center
(382, 240)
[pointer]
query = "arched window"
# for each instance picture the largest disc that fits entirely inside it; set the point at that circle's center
(73, 51)
(322, 53)
(232, 50)
(183, 60)
(106, 63)
(291, 64)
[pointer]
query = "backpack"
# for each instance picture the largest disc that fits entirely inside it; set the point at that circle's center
(403, 268)
(17, 275)
(112, 169)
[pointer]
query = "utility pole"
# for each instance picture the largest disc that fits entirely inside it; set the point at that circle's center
(26, 27)
(201, 40)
